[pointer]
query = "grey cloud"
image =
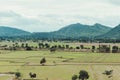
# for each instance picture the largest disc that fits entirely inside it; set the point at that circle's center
(117, 2)
(16, 18)
(9, 14)
(114, 2)
(51, 22)
(29, 24)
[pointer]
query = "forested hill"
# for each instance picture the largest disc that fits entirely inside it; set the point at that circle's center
(112, 34)
(80, 30)
(11, 32)
(74, 31)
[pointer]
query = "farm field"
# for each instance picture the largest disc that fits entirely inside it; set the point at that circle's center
(59, 65)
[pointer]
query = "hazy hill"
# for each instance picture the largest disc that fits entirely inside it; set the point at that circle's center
(74, 31)
(80, 30)
(112, 34)
(8, 31)
(71, 31)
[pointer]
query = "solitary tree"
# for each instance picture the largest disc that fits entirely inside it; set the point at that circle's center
(83, 75)
(32, 75)
(74, 77)
(18, 75)
(43, 61)
(108, 73)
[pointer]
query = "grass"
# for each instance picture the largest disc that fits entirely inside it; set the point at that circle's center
(17, 61)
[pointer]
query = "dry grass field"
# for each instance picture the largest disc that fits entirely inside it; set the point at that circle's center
(59, 65)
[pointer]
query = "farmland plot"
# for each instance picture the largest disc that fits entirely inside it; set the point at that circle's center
(59, 65)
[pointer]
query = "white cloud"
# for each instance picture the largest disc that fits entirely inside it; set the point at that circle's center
(50, 15)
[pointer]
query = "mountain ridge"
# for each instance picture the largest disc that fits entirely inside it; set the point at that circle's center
(74, 31)
(80, 30)
(114, 33)
(9, 31)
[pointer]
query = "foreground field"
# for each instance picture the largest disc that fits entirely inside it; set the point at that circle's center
(59, 65)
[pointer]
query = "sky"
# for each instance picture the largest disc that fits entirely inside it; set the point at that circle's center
(51, 15)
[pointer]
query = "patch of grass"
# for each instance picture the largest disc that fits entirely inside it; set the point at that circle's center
(22, 61)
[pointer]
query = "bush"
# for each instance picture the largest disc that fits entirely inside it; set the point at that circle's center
(18, 74)
(43, 60)
(83, 75)
(28, 48)
(77, 47)
(74, 77)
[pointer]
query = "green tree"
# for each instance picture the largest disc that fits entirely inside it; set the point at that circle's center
(22, 45)
(83, 75)
(18, 75)
(82, 46)
(74, 77)
(53, 49)
(43, 61)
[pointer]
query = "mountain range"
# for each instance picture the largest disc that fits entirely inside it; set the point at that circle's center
(73, 31)
(112, 34)
(80, 30)
(10, 32)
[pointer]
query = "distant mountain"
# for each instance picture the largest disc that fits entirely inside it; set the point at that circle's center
(11, 32)
(74, 31)
(112, 34)
(79, 30)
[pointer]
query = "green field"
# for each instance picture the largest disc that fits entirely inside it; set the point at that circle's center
(66, 64)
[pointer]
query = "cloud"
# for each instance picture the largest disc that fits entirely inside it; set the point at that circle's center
(32, 24)
(16, 20)
(115, 2)
(50, 15)
(8, 14)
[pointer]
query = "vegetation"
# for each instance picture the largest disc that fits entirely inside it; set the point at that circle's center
(83, 75)
(69, 57)
(32, 75)
(73, 32)
(11, 32)
(67, 64)
(74, 77)
(79, 30)
(17, 76)
(22, 50)
(112, 34)
(108, 73)
(43, 61)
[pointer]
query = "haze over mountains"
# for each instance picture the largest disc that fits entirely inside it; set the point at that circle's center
(71, 31)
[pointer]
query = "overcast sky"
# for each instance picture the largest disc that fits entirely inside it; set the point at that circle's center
(51, 15)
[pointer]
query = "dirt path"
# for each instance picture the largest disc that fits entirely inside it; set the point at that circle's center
(88, 64)
(9, 75)
(70, 63)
